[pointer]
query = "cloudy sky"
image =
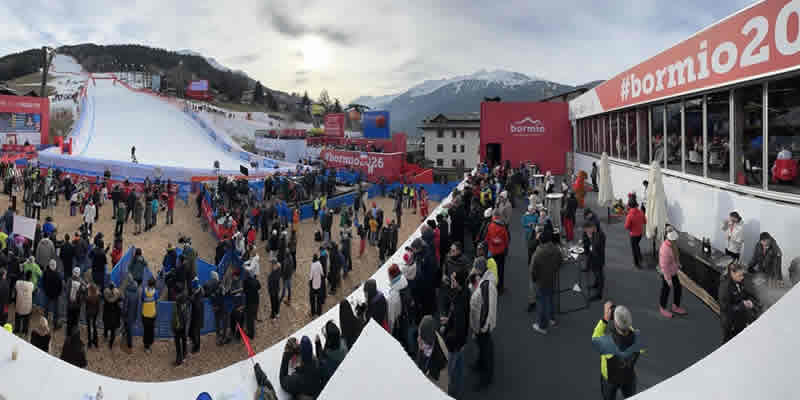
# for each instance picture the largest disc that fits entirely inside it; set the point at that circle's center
(375, 47)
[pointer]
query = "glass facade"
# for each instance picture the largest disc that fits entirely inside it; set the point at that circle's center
(754, 128)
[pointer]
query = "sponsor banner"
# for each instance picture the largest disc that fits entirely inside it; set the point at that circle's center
(526, 131)
(758, 41)
(375, 124)
(334, 124)
(198, 86)
(375, 165)
(26, 115)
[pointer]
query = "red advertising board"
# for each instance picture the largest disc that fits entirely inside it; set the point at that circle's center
(18, 106)
(334, 124)
(758, 41)
(540, 132)
(375, 165)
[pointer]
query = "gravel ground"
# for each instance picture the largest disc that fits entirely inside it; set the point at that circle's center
(157, 365)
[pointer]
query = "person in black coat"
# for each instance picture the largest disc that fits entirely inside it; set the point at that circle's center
(5, 295)
(307, 377)
(264, 219)
(53, 283)
(377, 308)
(457, 221)
(274, 288)
(251, 287)
(197, 315)
(73, 351)
(99, 262)
(594, 245)
(444, 235)
(455, 322)
(737, 308)
(335, 267)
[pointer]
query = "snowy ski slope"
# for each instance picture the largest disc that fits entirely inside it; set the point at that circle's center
(162, 133)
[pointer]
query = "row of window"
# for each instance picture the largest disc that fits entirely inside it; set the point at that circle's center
(440, 148)
(440, 133)
(748, 135)
(453, 163)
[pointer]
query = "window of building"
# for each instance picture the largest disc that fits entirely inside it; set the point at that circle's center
(657, 134)
(454, 162)
(454, 133)
(454, 148)
(462, 148)
(630, 134)
(643, 135)
(462, 134)
(693, 136)
(748, 135)
(718, 126)
(673, 143)
(439, 148)
(602, 129)
(613, 129)
(595, 145)
(440, 133)
(439, 162)
(784, 134)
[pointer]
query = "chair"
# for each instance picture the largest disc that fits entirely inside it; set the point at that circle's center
(784, 171)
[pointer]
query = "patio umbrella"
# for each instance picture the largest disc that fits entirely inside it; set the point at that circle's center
(605, 197)
(656, 203)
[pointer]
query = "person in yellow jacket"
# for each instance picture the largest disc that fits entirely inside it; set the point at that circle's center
(149, 312)
(317, 202)
(619, 346)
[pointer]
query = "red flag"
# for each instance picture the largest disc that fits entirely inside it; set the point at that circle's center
(246, 341)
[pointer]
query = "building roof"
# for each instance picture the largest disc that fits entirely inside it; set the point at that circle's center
(440, 118)
(570, 93)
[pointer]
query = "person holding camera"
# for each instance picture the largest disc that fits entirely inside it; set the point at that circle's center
(306, 380)
(619, 346)
(737, 307)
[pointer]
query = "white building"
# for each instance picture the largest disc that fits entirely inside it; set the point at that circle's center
(450, 139)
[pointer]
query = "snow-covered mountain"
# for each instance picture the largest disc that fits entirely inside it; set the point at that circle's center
(211, 61)
(459, 94)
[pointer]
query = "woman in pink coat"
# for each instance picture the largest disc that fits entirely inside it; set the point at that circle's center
(668, 263)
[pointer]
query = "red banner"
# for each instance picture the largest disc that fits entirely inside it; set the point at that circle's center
(375, 165)
(334, 125)
(757, 41)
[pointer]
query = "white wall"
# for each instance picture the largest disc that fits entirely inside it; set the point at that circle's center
(700, 209)
(471, 142)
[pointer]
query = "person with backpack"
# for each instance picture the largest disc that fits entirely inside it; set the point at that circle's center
(24, 305)
(180, 318)
(215, 291)
(92, 310)
(75, 297)
(197, 315)
(149, 299)
(398, 302)
(53, 285)
(376, 307)
(130, 312)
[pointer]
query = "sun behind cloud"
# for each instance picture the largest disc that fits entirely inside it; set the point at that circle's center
(316, 53)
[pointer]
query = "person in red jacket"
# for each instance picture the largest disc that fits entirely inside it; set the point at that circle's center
(635, 223)
(170, 204)
(497, 239)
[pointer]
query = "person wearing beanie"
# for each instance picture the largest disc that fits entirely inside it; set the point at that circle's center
(306, 380)
(24, 305)
(112, 312)
(180, 320)
(668, 265)
(45, 251)
(274, 288)
(76, 290)
(430, 355)
(130, 312)
(619, 346)
(332, 355)
(398, 292)
(545, 265)
(73, 351)
(455, 321)
(498, 239)
(53, 285)
(377, 309)
(594, 246)
(150, 297)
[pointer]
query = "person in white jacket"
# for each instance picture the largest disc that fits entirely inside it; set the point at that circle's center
(398, 282)
(483, 319)
(734, 232)
(88, 216)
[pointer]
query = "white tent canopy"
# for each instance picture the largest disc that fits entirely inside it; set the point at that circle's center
(377, 367)
(605, 197)
(656, 207)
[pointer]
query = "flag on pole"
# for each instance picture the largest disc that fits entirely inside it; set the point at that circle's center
(246, 341)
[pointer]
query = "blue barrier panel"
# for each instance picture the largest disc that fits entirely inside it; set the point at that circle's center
(204, 271)
(120, 271)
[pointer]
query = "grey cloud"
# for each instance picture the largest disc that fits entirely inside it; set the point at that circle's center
(283, 23)
(300, 81)
(301, 72)
(244, 58)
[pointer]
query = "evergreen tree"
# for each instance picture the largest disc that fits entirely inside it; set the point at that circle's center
(258, 96)
(337, 106)
(269, 100)
(306, 102)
